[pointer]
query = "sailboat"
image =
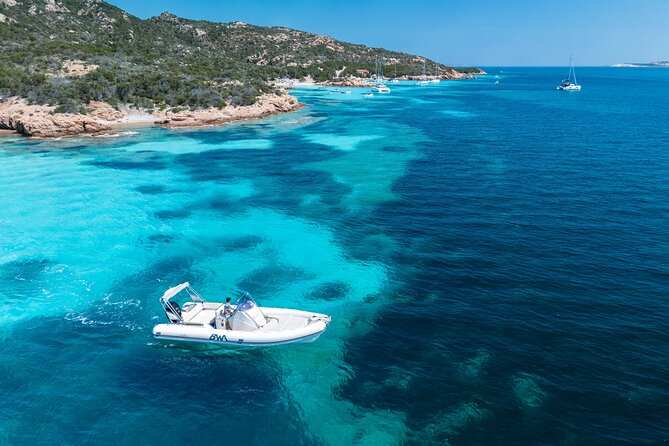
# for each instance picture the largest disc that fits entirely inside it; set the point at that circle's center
(567, 84)
(380, 87)
(436, 80)
(423, 81)
(394, 80)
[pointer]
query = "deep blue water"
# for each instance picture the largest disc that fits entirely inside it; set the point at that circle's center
(495, 257)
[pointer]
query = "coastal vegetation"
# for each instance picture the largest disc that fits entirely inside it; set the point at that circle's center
(67, 53)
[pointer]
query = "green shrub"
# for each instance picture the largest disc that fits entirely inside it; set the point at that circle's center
(161, 62)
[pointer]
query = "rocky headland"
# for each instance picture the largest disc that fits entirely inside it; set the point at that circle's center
(85, 66)
(42, 121)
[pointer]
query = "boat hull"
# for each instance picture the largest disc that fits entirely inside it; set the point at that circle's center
(210, 335)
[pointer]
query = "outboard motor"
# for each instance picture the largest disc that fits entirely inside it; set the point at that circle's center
(173, 312)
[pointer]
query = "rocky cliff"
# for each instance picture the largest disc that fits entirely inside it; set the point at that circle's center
(41, 121)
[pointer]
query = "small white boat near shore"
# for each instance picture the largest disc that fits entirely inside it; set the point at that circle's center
(198, 320)
(381, 88)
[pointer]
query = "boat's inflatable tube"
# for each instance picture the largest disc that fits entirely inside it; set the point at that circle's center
(206, 333)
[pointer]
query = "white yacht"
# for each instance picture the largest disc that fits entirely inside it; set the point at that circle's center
(381, 88)
(567, 84)
(197, 320)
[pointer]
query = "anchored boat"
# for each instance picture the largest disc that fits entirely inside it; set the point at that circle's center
(423, 81)
(567, 84)
(381, 88)
(197, 320)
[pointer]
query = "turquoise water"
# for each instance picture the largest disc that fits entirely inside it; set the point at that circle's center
(495, 257)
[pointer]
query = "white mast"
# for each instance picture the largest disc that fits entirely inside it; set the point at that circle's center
(567, 84)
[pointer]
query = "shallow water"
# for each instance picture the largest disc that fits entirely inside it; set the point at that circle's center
(495, 257)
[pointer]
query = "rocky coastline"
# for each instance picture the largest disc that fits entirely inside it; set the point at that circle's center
(355, 81)
(18, 115)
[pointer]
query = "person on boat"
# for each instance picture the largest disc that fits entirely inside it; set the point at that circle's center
(226, 312)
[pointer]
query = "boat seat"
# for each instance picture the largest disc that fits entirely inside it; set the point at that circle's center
(285, 321)
(271, 325)
(192, 311)
(203, 317)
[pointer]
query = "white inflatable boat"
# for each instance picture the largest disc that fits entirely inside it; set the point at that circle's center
(248, 324)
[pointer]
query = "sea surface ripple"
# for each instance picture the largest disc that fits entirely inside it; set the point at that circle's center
(495, 256)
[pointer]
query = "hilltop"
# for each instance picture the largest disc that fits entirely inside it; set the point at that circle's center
(68, 54)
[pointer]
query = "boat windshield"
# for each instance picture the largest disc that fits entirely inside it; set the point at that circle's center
(245, 303)
(248, 310)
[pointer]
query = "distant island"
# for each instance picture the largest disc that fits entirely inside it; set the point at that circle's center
(659, 63)
(82, 66)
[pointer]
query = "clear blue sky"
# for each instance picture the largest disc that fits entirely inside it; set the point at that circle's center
(459, 32)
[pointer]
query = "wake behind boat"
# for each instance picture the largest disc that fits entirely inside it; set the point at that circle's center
(197, 320)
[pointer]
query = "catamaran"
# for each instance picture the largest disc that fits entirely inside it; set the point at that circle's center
(567, 84)
(246, 323)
